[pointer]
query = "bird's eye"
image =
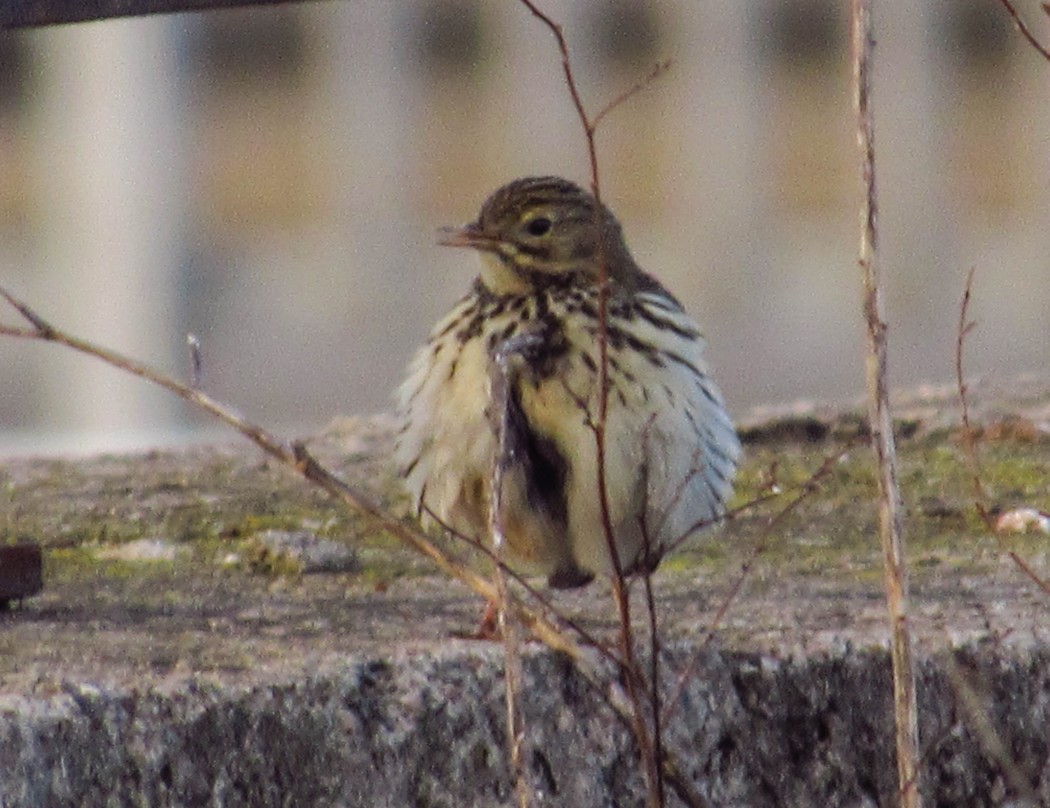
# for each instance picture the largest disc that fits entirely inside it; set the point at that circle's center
(539, 226)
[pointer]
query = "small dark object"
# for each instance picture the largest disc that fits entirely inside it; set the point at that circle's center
(21, 572)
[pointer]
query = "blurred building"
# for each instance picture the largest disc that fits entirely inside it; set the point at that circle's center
(271, 180)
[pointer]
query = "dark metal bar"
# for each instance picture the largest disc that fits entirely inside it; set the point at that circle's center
(21, 572)
(28, 13)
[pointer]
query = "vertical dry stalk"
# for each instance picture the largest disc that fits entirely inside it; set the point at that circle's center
(503, 376)
(881, 423)
(634, 680)
(965, 326)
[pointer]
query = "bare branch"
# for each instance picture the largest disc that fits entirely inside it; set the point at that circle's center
(658, 70)
(969, 436)
(1024, 30)
(43, 330)
(654, 677)
(1026, 568)
(980, 496)
(598, 423)
(621, 593)
(574, 93)
(649, 552)
(587, 657)
(806, 490)
(535, 594)
(653, 680)
(774, 492)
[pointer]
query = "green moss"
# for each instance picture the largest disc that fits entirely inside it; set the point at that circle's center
(257, 558)
(823, 521)
(833, 528)
(76, 565)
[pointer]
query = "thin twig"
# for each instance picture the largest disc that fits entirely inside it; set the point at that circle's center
(536, 595)
(965, 327)
(574, 93)
(635, 685)
(42, 330)
(597, 424)
(655, 707)
(980, 496)
(805, 490)
(1024, 30)
(621, 593)
(589, 660)
(658, 70)
(294, 455)
(891, 523)
(976, 716)
(648, 554)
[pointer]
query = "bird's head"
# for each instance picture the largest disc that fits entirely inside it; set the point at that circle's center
(542, 231)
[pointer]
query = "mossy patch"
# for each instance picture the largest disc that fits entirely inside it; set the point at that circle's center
(823, 521)
(824, 518)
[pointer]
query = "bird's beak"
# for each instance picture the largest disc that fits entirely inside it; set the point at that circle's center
(469, 235)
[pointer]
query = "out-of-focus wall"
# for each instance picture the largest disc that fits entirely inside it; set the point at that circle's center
(271, 180)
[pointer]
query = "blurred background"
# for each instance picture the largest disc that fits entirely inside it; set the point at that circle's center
(271, 180)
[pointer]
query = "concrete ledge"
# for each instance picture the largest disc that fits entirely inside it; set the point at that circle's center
(426, 729)
(175, 658)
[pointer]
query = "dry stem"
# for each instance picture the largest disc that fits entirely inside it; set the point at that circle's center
(891, 526)
(1024, 30)
(589, 660)
(965, 327)
(975, 715)
(504, 377)
(806, 489)
(597, 424)
(621, 593)
(980, 496)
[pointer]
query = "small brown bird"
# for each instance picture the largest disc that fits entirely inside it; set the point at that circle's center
(670, 448)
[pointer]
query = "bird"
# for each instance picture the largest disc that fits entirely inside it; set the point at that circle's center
(512, 376)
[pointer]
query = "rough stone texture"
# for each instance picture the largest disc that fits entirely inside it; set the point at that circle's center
(206, 675)
(426, 728)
